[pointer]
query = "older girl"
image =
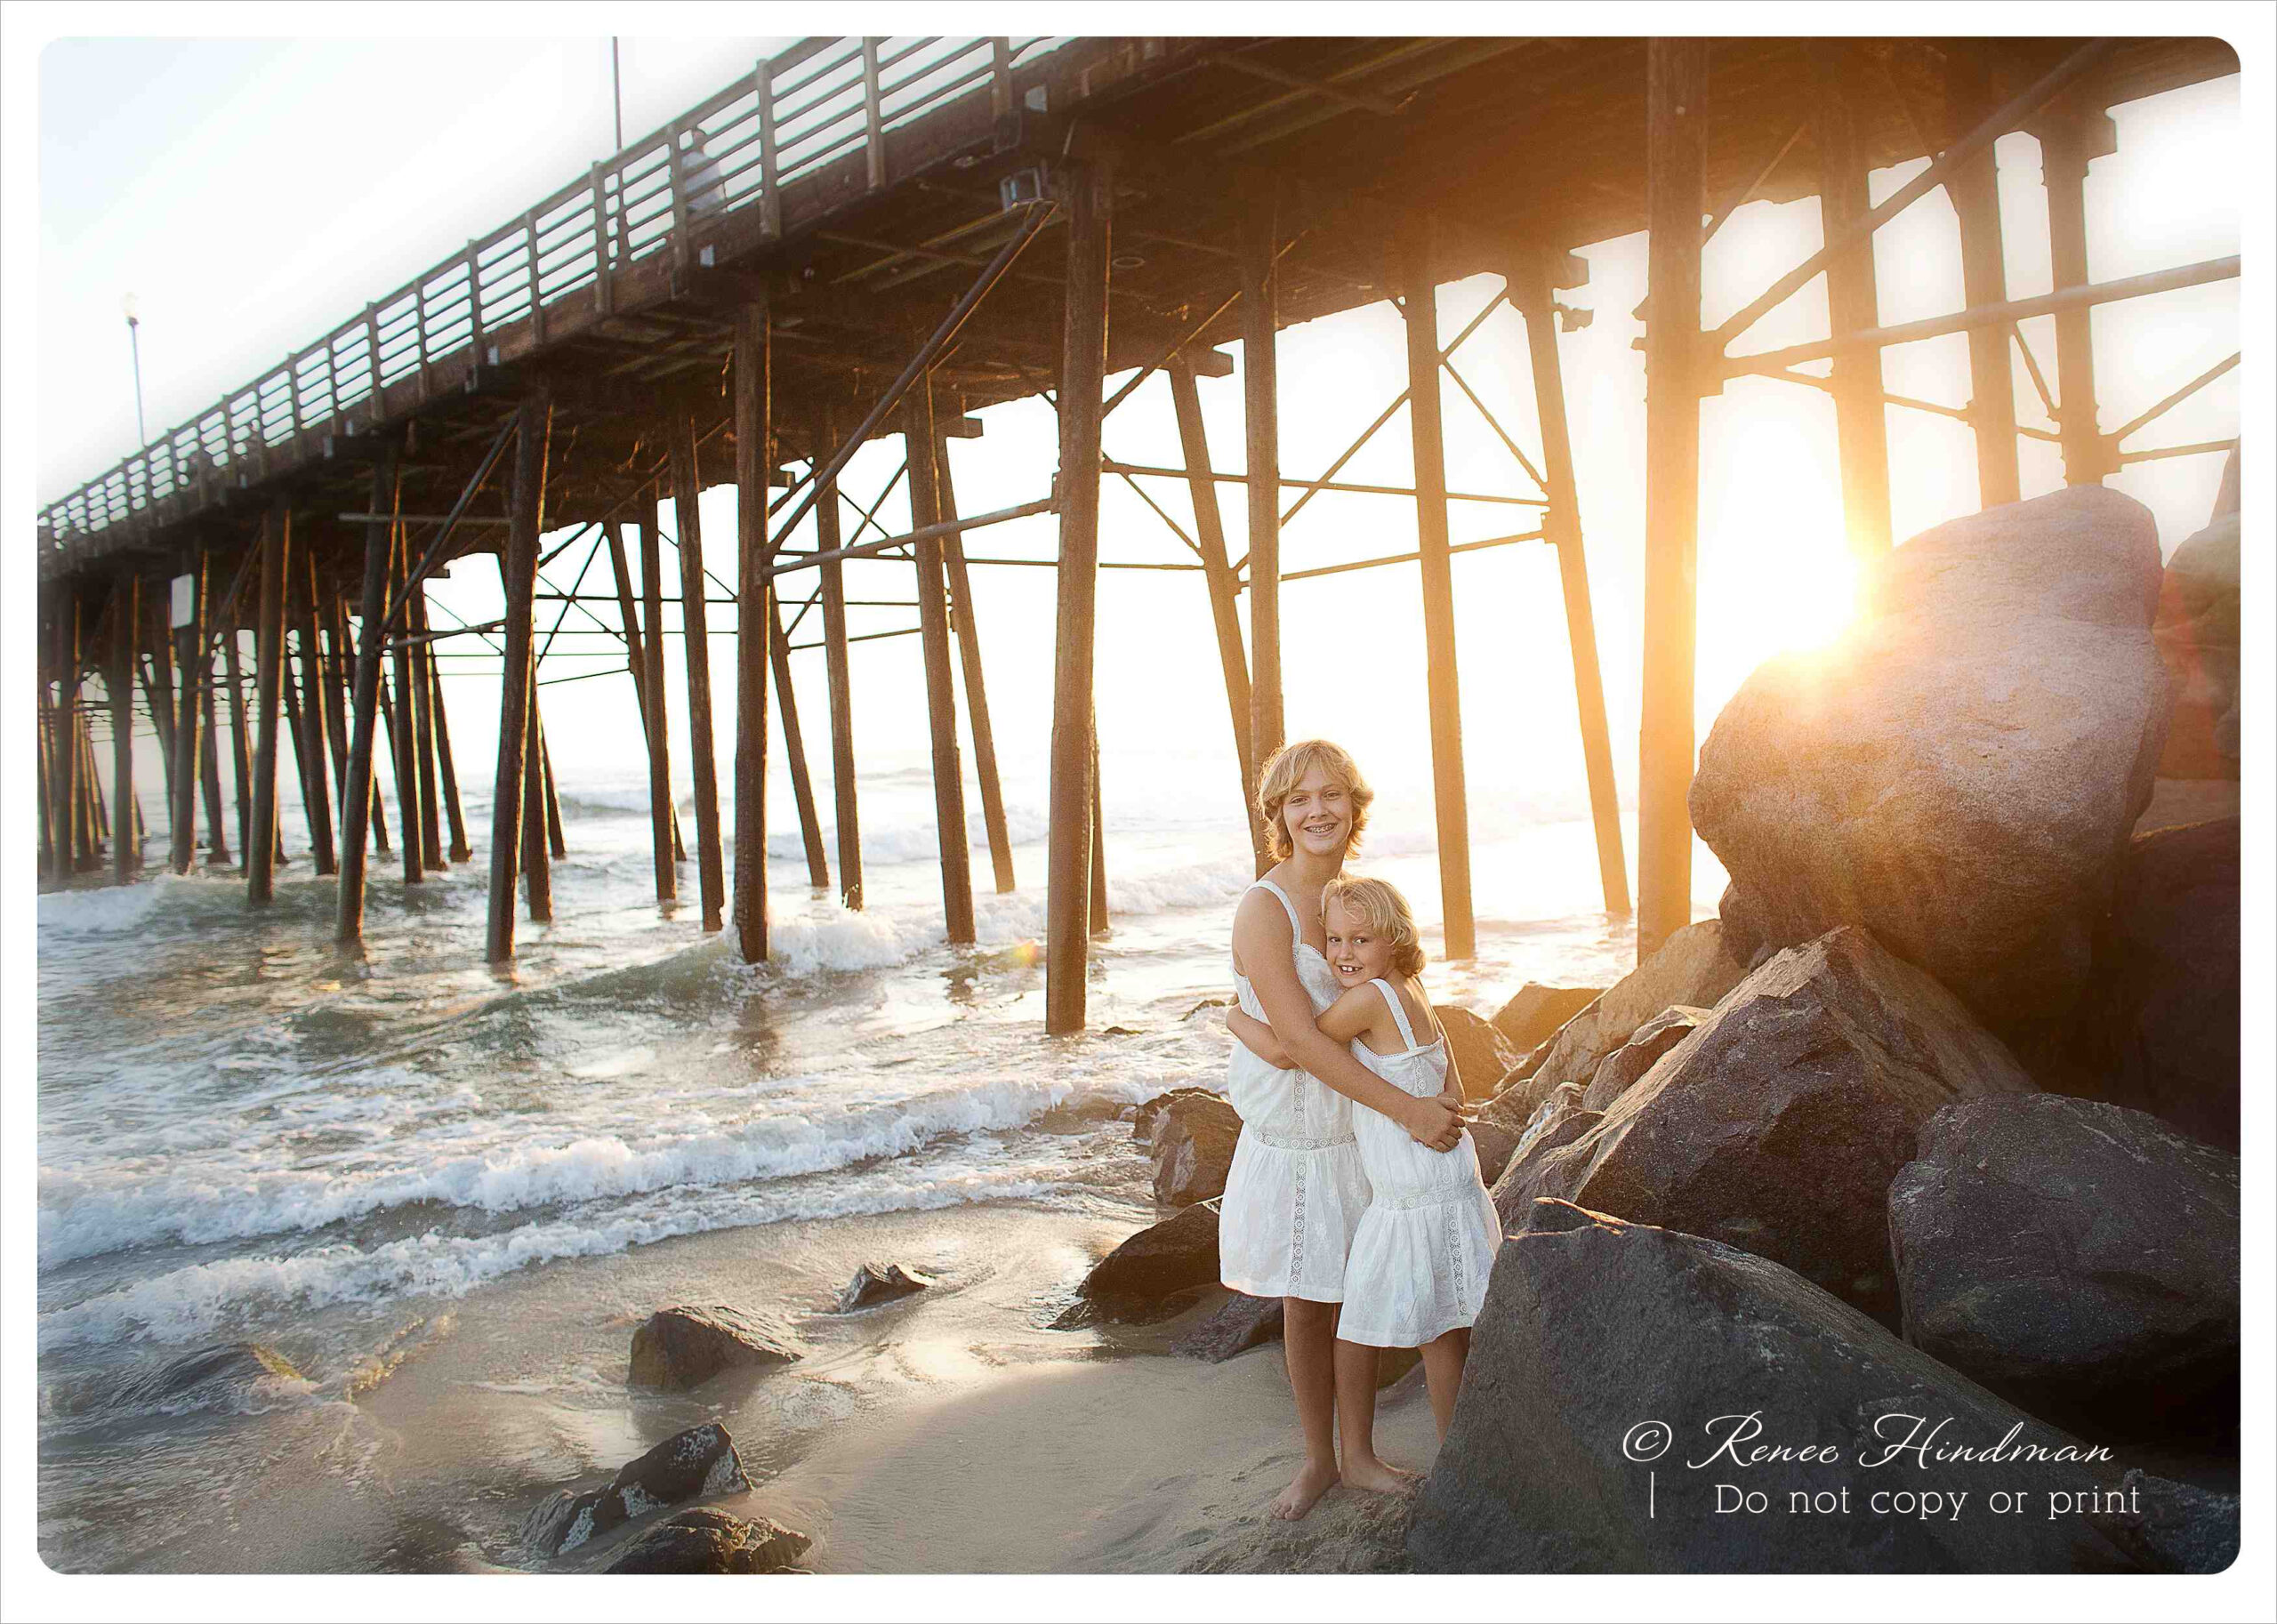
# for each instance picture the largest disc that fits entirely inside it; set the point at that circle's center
(1296, 1190)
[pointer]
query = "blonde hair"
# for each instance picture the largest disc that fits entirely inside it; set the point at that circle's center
(1382, 911)
(1287, 770)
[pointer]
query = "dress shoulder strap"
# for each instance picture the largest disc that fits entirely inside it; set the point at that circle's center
(1398, 1011)
(1295, 924)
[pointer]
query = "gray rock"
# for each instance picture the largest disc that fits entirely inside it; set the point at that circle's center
(1479, 1052)
(1138, 1281)
(1593, 1332)
(1547, 1165)
(880, 1283)
(1535, 1012)
(709, 1540)
(700, 1460)
(1619, 1071)
(2078, 1259)
(1241, 1324)
(1495, 1145)
(1194, 1137)
(1144, 1122)
(2159, 1027)
(2170, 1527)
(681, 1347)
(1960, 773)
(1778, 1124)
(1693, 967)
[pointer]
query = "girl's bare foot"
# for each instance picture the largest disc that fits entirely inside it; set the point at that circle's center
(1378, 1477)
(1309, 1484)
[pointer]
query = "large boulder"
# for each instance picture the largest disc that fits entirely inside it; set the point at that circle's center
(2198, 635)
(881, 1283)
(1535, 1012)
(1194, 1137)
(1778, 1124)
(1694, 967)
(2159, 1028)
(2078, 1259)
(1960, 772)
(1546, 1165)
(2169, 1527)
(1240, 1323)
(1602, 1359)
(1619, 1071)
(709, 1540)
(1138, 1281)
(677, 1348)
(1145, 1118)
(1480, 1053)
(700, 1460)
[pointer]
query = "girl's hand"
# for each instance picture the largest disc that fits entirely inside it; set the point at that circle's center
(1430, 1122)
(1451, 1096)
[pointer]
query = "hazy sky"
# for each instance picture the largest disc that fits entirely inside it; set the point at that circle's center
(252, 194)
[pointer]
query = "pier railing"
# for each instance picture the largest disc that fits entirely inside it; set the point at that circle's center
(802, 108)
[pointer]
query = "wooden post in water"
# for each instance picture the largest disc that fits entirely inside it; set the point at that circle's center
(662, 812)
(316, 756)
(189, 646)
(1083, 375)
(268, 669)
(1531, 290)
(1101, 924)
(555, 839)
(794, 747)
(344, 656)
(843, 787)
(665, 828)
(332, 641)
(1225, 587)
(97, 822)
(702, 757)
(403, 725)
(421, 706)
(460, 850)
(2063, 156)
(517, 567)
(1975, 189)
(62, 753)
(1859, 417)
(1676, 122)
(963, 618)
(240, 745)
(1260, 400)
(209, 766)
(1442, 682)
(940, 697)
(118, 685)
(758, 638)
(359, 798)
(537, 848)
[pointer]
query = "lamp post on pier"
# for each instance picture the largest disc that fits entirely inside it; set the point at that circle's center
(134, 343)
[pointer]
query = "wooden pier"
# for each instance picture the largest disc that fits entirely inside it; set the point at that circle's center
(874, 238)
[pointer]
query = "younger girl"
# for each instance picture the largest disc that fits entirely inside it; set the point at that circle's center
(1416, 1274)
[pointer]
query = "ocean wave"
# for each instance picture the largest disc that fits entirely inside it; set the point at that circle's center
(80, 1218)
(200, 1300)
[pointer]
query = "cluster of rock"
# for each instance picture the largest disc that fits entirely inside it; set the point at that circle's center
(1937, 1120)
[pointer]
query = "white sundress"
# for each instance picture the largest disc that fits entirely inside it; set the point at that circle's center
(1427, 1242)
(1295, 1191)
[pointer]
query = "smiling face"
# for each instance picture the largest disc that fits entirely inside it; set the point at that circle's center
(1318, 813)
(1356, 951)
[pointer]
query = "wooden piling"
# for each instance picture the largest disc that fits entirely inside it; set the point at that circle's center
(1442, 682)
(794, 747)
(209, 767)
(461, 851)
(758, 638)
(556, 838)
(118, 685)
(240, 744)
(188, 645)
(696, 645)
(1083, 375)
(332, 643)
(316, 755)
(1224, 587)
(518, 570)
(660, 807)
(1531, 290)
(636, 661)
(268, 669)
(964, 621)
(62, 753)
(940, 697)
(2063, 156)
(357, 799)
(1676, 85)
(537, 846)
(843, 787)
(421, 707)
(1975, 189)
(1260, 401)
(95, 824)
(403, 725)
(1861, 429)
